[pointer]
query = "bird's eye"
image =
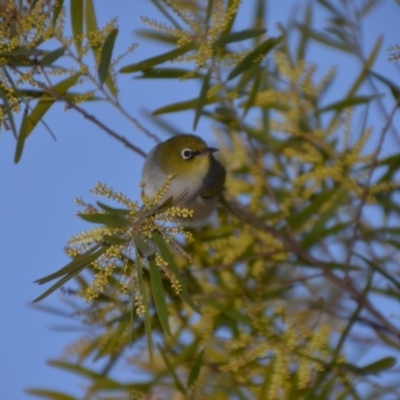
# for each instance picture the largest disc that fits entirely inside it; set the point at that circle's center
(186, 154)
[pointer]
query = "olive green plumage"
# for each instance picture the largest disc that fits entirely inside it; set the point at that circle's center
(197, 174)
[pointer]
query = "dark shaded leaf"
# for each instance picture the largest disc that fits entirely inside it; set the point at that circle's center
(81, 261)
(183, 105)
(106, 55)
(49, 394)
(238, 36)
(106, 219)
(195, 370)
(346, 103)
(145, 249)
(255, 56)
(392, 86)
(151, 62)
(54, 55)
(159, 295)
(76, 11)
(201, 102)
(165, 254)
(21, 136)
(168, 73)
(178, 384)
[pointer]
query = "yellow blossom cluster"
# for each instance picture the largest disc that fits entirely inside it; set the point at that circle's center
(295, 350)
(126, 234)
(205, 36)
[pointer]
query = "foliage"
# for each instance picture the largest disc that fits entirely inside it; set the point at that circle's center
(265, 301)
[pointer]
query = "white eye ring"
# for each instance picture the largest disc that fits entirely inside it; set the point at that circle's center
(186, 154)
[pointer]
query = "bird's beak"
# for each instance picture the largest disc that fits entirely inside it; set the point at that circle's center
(209, 150)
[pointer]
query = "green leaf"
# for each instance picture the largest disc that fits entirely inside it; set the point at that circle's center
(347, 102)
(143, 247)
(90, 17)
(52, 56)
(58, 284)
(183, 105)
(78, 262)
(367, 66)
(296, 221)
(21, 136)
(304, 39)
(178, 384)
(151, 62)
(106, 219)
(113, 210)
(238, 36)
(165, 254)
(253, 93)
(393, 87)
(375, 267)
(374, 368)
(106, 55)
(322, 38)
(195, 370)
(43, 106)
(49, 394)
(168, 73)
(76, 11)
(319, 227)
(202, 99)
(145, 302)
(115, 240)
(255, 56)
(159, 295)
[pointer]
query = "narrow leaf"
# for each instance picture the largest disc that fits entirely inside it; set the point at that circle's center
(113, 210)
(49, 394)
(178, 384)
(43, 106)
(106, 55)
(165, 254)
(106, 219)
(183, 105)
(202, 99)
(52, 56)
(195, 371)
(145, 302)
(393, 87)
(58, 284)
(21, 136)
(76, 11)
(159, 296)
(255, 56)
(151, 62)
(238, 36)
(347, 102)
(145, 249)
(253, 93)
(168, 73)
(90, 17)
(379, 366)
(82, 260)
(322, 38)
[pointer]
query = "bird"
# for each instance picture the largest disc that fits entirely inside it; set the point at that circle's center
(197, 177)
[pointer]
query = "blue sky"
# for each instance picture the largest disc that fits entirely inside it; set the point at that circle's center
(37, 210)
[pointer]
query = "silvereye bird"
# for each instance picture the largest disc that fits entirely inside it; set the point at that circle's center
(198, 178)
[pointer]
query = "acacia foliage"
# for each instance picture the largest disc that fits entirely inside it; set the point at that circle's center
(265, 301)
